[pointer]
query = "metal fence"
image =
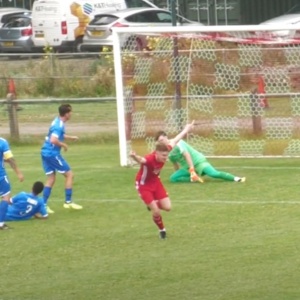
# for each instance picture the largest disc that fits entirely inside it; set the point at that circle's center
(33, 86)
(78, 75)
(91, 116)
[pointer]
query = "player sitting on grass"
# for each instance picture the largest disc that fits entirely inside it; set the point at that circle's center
(190, 164)
(148, 183)
(24, 205)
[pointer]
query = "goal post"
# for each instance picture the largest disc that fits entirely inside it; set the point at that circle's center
(241, 84)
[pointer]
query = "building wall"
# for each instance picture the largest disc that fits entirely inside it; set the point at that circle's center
(16, 3)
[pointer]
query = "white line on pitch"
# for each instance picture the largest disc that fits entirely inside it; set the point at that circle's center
(105, 167)
(221, 202)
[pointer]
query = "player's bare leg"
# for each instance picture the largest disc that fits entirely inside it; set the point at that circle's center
(69, 190)
(165, 204)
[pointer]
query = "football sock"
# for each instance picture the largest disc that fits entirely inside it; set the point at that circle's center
(237, 179)
(68, 194)
(158, 221)
(212, 172)
(46, 193)
(3, 210)
(226, 176)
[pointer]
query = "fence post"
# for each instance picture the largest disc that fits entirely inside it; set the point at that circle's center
(13, 117)
(255, 112)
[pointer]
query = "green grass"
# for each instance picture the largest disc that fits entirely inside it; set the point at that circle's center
(44, 113)
(227, 241)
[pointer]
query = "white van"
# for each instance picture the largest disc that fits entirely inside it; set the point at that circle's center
(61, 23)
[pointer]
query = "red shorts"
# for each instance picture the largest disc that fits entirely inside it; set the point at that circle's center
(149, 193)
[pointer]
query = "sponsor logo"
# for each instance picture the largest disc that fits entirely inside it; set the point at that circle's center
(87, 8)
(47, 9)
(108, 5)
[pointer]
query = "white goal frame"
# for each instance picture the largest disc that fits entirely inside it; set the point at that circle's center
(117, 53)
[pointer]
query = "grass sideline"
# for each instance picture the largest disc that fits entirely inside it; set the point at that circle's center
(227, 241)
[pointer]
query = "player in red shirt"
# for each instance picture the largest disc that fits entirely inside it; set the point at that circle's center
(148, 183)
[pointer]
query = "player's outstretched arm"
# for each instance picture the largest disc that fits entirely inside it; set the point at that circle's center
(181, 135)
(139, 159)
(188, 159)
(193, 175)
(11, 161)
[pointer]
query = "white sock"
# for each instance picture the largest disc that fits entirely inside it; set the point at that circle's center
(236, 179)
(1, 224)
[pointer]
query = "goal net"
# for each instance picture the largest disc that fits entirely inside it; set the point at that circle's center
(241, 84)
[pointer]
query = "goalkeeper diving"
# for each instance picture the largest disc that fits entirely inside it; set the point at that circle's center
(190, 164)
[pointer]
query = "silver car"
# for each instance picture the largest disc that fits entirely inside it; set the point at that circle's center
(7, 12)
(292, 17)
(15, 35)
(99, 31)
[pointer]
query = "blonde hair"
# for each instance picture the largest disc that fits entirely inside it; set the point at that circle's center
(161, 147)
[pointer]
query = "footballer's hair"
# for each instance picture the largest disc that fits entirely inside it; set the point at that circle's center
(37, 187)
(160, 133)
(161, 147)
(64, 109)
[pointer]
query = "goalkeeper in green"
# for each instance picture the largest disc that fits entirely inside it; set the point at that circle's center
(191, 164)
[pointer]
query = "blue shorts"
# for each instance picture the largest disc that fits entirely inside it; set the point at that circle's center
(57, 163)
(4, 186)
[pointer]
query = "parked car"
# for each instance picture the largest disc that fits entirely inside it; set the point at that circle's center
(292, 17)
(98, 33)
(61, 23)
(7, 12)
(15, 35)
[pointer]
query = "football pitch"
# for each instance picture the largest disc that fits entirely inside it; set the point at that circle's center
(226, 241)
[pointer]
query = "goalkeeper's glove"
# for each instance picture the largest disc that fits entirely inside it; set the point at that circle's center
(194, 177)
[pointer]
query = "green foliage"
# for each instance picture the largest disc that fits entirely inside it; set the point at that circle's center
(226, 240)
(53, 76)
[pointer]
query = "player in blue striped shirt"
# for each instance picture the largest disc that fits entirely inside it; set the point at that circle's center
(24, 205)
(6, 156)
(52, 159)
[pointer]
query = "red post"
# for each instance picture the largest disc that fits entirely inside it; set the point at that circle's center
(261, 90)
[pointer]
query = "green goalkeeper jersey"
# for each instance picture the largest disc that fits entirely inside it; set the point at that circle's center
(176, 155)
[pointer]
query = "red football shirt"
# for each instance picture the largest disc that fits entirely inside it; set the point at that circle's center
(149, 171)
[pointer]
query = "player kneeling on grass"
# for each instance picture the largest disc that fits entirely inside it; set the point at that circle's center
(190, 164)
(148, 183)
(24, 205)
